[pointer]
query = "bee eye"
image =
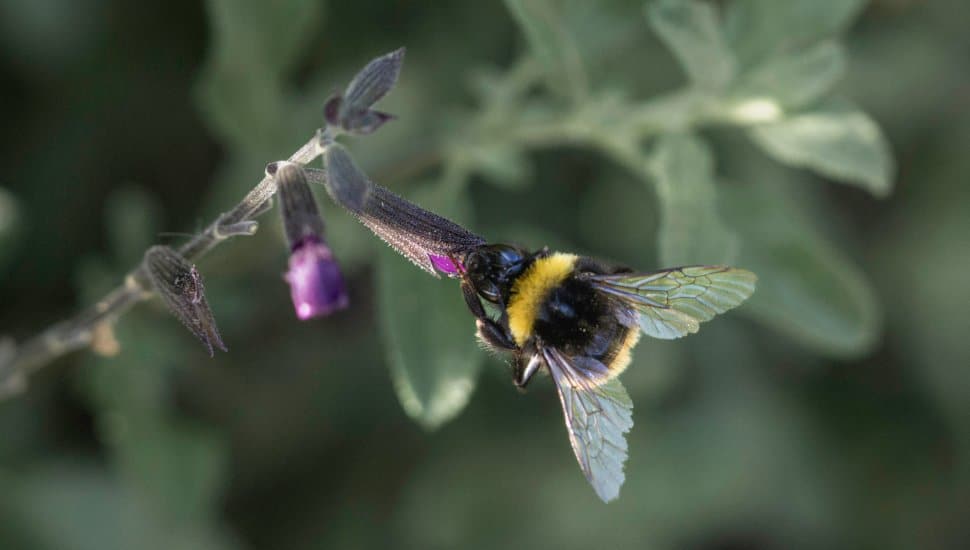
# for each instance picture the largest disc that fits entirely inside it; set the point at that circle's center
(472, 263)
(508, 255)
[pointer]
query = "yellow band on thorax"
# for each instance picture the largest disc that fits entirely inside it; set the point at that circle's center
(530, 290)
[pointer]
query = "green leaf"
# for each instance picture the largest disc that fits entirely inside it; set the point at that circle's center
(500, 163)
(921, 262)
(552, 44)
(794, 79)
(268, 35)
(81, 508)
(836, 140)
(691, 231)
(133, 218)
(255, 44)
(179, 469)
(807, 288)
(243, 111)
(758, 29)
(430, 335)
(692, 31)
(9, 222)
(11, 382)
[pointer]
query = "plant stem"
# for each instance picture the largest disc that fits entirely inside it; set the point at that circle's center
(17, 363)
(617, 132)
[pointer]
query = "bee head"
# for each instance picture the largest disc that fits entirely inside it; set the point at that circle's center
(492, 268)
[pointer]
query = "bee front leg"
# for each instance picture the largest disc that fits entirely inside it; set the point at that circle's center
(494, 335)
(523, 370)
(490, 331)
(472, 300)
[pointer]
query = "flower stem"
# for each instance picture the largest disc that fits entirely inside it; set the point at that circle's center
(17, 363)
(617, 130)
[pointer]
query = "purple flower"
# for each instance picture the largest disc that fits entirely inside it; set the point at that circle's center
(316, 285)
(445, 264)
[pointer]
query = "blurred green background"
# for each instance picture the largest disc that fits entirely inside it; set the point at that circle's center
(820, 143)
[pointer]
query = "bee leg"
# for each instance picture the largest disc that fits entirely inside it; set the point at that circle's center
(472, 300)
(494, 335)
(524, 370)
(490, 331)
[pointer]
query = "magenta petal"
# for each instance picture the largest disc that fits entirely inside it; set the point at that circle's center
(444, 264)
(316, 285)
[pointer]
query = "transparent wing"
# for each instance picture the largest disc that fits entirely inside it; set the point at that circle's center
(423, 237)
(674, 302)
(597, 414)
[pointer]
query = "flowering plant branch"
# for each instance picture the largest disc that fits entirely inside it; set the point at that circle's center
(657, 140)
(316, 284)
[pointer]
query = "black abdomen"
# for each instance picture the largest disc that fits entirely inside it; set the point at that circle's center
(579, 321)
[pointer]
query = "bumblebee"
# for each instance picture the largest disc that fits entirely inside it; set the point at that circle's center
(548, 300)
(572, 316)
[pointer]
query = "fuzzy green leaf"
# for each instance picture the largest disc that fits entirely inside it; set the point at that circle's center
(9, 222)
(179, 469)
(270, 35)
(691, 231)
(759, 29)
(552, 44)
(692, 31)
(81, 508)
(502, 164)
(429, 334)
(132, 220)
(807, 288)
(254, 45)
(836, 140)
(794, 79)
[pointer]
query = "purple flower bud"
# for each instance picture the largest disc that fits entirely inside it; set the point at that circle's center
(316, 285)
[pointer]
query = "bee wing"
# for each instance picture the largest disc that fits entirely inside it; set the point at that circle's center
(427, 239)
(597, 414)
(674, 302)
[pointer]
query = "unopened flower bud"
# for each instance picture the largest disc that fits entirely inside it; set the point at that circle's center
(179, 285)
(316, 284)
(352, 111)
(301, 217)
